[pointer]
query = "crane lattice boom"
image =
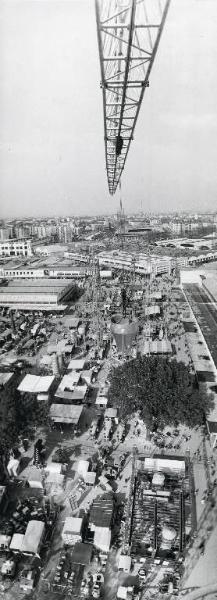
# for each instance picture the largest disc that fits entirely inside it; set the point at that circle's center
(129, 32)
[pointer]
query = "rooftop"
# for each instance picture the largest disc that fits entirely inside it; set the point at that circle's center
(76, 364)
(102, 510)
(36, 383)
(27, 286)
(72, 525)
(65, 413)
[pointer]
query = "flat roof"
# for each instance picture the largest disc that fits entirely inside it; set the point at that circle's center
(76, 364)
(102, 538)
(77, 394)
(122, 592)
(90, 477)
(17, 541)
(69, 381)
(33, 536)
(152, 310)
(124, 562)
(65, 267)
(35, 307)
(72, 525)
(31, 473)
(157, 347)
(167, 465)
(37, 286)
(40, 283)
(111, 413)
(65, 413)
(101, 400)
(36, 383)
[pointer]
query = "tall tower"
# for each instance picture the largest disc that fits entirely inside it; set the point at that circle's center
(95, 295)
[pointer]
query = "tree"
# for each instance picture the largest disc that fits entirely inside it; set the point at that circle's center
(19, 414)
(163, 391)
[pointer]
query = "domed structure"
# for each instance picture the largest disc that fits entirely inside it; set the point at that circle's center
(124, 334)
(168, 536)
(168, 533)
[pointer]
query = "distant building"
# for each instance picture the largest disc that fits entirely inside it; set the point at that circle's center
(5, 233)
(16, 248)
(143, 264)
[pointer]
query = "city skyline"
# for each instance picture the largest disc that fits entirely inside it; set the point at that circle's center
(52, 117)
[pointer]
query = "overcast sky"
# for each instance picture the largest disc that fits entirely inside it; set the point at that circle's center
(51, 119)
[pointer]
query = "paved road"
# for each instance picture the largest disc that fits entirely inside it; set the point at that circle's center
(206, 315)
(202, 592)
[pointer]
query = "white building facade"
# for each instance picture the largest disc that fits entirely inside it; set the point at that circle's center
(13, 248)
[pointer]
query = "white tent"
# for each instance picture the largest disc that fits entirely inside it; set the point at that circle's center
(33, 537)
(102, 538)
(17, 542)
(82, 467)
(124, 563)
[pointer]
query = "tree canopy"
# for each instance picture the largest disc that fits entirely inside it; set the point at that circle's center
(163, 391)
(19, 414)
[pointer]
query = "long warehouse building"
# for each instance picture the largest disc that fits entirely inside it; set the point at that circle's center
(44, 293)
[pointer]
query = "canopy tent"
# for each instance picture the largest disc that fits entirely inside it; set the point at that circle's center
(102, 538)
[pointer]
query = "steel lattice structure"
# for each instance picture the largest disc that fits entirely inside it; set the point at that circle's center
(129, 32)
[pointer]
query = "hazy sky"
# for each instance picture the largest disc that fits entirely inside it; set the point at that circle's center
(51, 119)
